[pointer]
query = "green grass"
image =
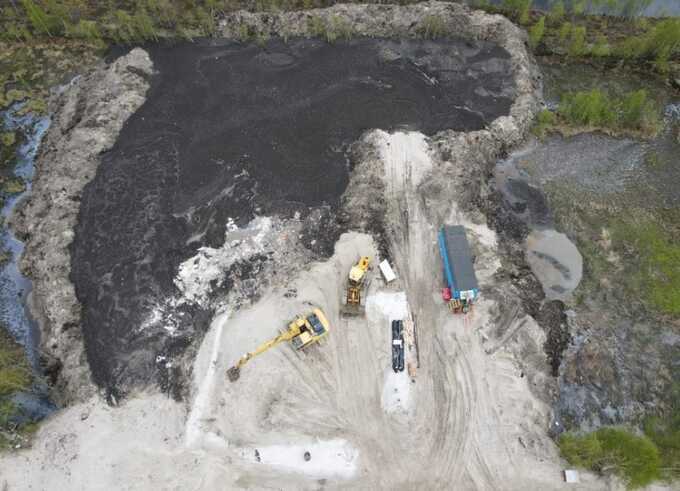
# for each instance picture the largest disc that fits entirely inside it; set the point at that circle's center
(665, 433)
(545, 120)
(659, 43)
(635, 458)
(592, 108)
(655, 271)
(12, 186)
(431, 27)
(15, 374)
(536, 32)
(633, 113)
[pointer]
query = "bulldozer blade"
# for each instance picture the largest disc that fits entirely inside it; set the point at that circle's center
(233, 374)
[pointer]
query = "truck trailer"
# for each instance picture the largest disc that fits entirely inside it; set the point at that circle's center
(461, 290)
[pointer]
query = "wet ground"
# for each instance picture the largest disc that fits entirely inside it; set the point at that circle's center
(645, 8)
(14, 286)
(615, 357)
(232, 131)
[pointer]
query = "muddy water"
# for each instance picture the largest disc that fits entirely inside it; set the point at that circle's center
(14, 286)
(555, 261)
(233, 131)
(553, 258)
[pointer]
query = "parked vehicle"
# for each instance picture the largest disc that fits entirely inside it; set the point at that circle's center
(397, 346)
(461, 290)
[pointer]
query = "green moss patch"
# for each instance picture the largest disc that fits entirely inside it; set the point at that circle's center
(15, 373)
(656, 272)
(635, 458)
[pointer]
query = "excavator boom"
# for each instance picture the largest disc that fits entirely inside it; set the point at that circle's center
(234, 372)
(301, 332)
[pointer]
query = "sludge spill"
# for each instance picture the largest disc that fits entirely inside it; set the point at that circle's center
(234, 131)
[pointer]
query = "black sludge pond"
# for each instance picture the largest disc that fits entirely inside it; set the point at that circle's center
(231, 131)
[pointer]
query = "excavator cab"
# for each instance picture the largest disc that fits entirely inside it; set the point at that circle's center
(312, 328)
(301, 332)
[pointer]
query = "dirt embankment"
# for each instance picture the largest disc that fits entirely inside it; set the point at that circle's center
(88, 115)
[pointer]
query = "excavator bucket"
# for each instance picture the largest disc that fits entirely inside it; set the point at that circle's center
(233, 374)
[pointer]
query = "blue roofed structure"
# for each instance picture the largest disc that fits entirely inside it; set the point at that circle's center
(457, 258)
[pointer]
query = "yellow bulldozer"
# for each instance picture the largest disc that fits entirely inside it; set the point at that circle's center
(302, 332)
(353, 302)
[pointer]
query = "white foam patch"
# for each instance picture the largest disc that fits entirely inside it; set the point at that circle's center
(198, 275)
(335, 458)
(163, 314)
(392, 305)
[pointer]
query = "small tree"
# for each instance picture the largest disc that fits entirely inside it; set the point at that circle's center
(638, 112)
(591, 108)
(536, 33)
(565, 30)
(519, 9)
(577, 44)
(601, 47)
(556, 12)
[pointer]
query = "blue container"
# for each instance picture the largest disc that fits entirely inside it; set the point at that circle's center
(459, 273)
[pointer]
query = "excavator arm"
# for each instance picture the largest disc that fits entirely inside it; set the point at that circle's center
(234, 372)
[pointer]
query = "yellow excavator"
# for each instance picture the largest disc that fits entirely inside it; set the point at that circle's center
(301, 332)
(353, 303)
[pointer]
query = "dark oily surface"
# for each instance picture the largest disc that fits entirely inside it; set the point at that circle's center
(232, 131)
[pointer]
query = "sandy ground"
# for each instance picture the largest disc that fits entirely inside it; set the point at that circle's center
(468, 420)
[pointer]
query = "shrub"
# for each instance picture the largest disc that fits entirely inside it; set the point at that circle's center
(316, 26)
(565, 30)
(339, 29)
(639, 113)
(536, 32)
(544, 121)
(601, 47)
(556, 13)
(665, 433)
(519, 9)
(84, 29)
(204, 20)
(587, 108)
(634, 458)
(659, 44)
(578, 7)
(431, 27)
(577, 43)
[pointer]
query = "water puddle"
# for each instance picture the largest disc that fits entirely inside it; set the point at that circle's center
(555, 261)
(14, 286)
(553, 258)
